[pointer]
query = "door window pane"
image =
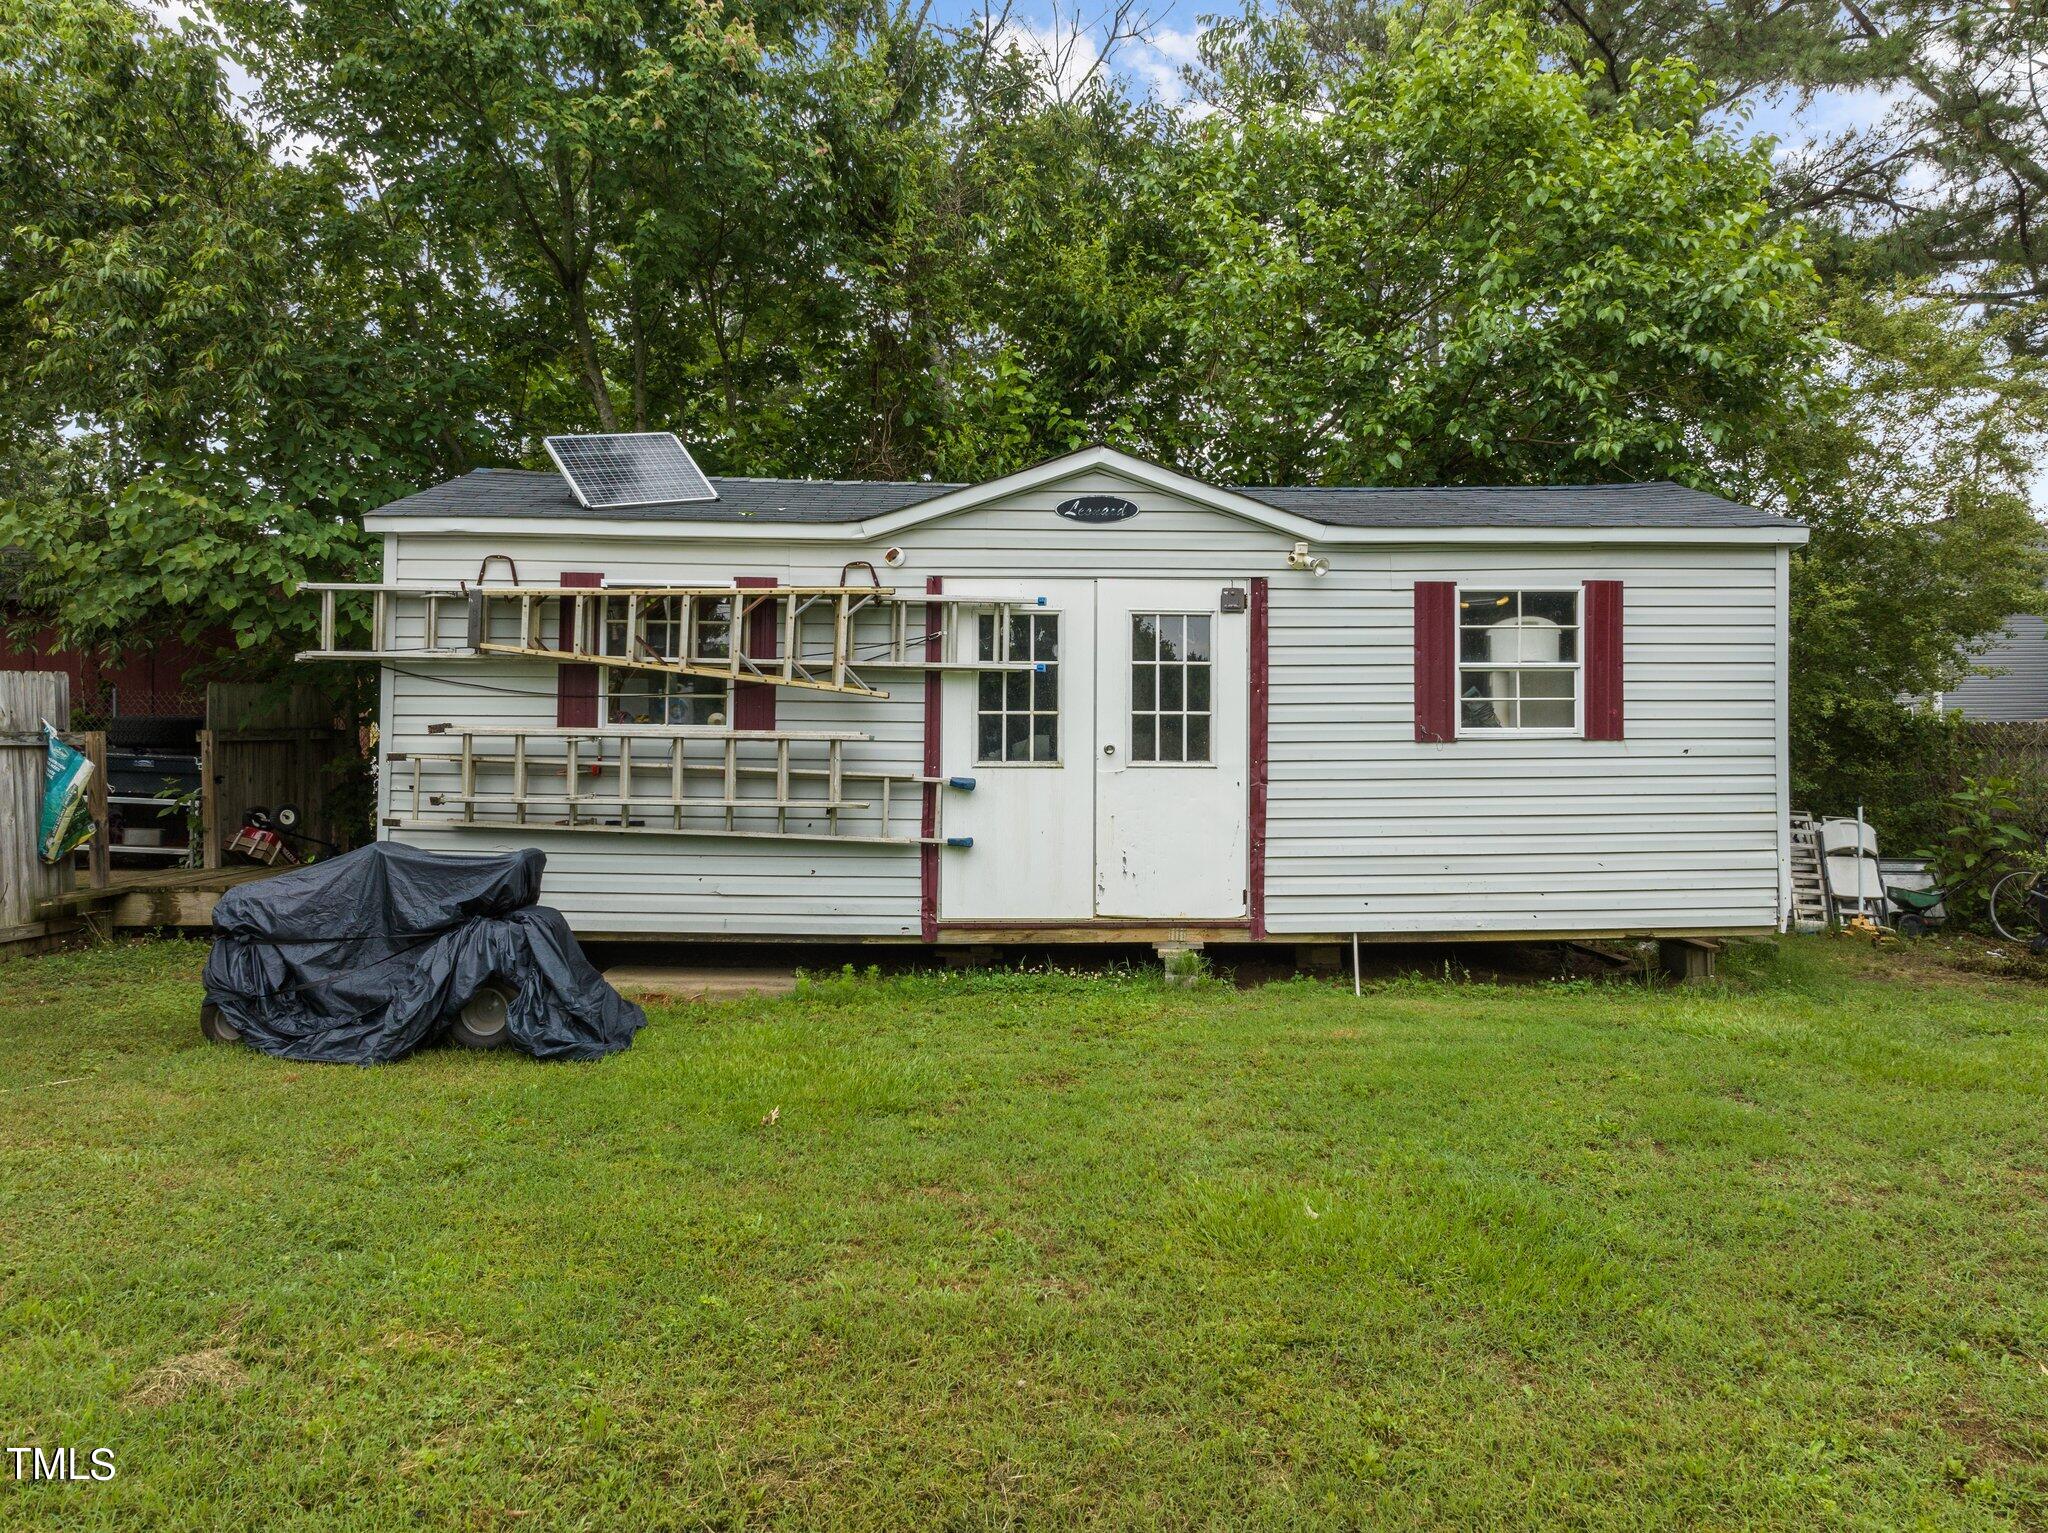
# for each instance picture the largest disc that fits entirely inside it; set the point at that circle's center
(1171, 744)
(1045, 636)
(1018, 708)
(1171, 654)
(1144, 737)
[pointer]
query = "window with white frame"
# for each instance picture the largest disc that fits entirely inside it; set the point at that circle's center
(1170, 708)
(1017, 712)
(1518, 661)
(656, 697)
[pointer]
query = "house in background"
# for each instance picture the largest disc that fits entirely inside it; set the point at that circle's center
(140, 699)
(151, 714)
(1093, 700)
(2013, 686)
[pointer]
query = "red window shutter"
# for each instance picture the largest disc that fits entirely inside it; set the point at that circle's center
(1436, 661)
(753, 702)
(934, 694)
(1603, 659)
(576, 700)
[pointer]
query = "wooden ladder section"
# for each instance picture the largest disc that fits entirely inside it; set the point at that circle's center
(1809, 883)
(675, 630)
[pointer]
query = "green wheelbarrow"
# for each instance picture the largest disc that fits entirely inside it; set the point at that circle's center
(1919, 911)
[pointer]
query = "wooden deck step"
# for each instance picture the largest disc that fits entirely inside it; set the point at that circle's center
(151, 897)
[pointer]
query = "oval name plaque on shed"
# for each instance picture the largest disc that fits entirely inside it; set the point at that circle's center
(1097, 508)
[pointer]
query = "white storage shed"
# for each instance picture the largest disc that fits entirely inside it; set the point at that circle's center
(1093, 700)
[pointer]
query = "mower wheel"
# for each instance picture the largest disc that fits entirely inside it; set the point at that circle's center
(216, 1028)
(485, 1019)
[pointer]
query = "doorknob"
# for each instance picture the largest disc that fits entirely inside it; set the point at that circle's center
(1109, 750)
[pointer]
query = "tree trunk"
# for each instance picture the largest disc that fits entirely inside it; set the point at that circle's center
(639, 371)
(586, 351)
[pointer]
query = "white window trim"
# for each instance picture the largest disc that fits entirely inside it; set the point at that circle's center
(1209, 764)
(1059, 713)
(1577, 731)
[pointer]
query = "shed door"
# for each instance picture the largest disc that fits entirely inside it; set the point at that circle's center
(1026, 735)
(1171, 751)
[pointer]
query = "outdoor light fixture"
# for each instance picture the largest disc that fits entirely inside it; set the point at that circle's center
(1299, 558)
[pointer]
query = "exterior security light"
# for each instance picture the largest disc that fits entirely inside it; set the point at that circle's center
(1301, 559)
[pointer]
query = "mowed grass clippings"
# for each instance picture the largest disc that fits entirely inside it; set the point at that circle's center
(1038, 1250)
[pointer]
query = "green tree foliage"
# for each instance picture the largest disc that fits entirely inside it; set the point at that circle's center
(213, 359)
(1460, 271)
(597, 167)
(1945, 181)
(1913, 473)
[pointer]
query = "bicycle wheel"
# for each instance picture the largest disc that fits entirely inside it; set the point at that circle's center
(2015, 914)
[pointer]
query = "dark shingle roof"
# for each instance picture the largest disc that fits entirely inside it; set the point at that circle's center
(527, 492)
(1659, 504)
(524, 492)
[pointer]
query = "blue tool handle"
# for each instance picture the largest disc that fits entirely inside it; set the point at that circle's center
(964, 784)
(959, 840)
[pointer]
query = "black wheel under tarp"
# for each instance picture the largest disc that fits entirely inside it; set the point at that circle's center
(366, 957)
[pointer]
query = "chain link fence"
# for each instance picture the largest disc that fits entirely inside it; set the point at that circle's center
(141, 715)
(2017, 750)
(2016, 754)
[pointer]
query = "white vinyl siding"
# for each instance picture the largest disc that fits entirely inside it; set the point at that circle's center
(2012, 685)
(1676, 827)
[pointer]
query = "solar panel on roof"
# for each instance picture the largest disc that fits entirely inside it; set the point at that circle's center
(630, 468)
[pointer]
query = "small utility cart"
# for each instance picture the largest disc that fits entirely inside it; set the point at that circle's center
(1916, 905)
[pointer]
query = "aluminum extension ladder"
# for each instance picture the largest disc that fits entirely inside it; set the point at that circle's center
(818, 647)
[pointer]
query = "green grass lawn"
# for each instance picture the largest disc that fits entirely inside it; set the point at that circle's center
(1046, 1250)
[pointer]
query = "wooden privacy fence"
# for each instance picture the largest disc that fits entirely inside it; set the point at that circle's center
(264, 746)
(27, 698)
